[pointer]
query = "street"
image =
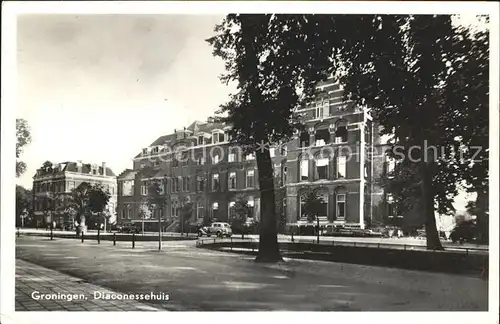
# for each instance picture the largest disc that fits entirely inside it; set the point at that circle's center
(201, 280)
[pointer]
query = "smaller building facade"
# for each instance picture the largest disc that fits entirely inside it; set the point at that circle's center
(53, 184)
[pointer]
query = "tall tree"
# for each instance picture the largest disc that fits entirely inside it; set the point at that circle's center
(276, 66)
(240, 212)
(24, 205)
(185, 214)
(157, 200)
(313, 205)
(23, 134)
(98, 199)
(407, 70)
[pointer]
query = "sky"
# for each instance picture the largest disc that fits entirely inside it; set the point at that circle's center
(101, 87)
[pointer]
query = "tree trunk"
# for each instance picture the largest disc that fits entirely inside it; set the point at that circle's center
(482, 216)
(268, 232)
(432, 235)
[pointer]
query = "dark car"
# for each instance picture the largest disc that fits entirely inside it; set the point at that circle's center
(128, 228)
(463, 232)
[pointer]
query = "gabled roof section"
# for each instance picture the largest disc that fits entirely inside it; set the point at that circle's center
(128, 174)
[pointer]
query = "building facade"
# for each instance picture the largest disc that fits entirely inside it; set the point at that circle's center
(335, 156)
(53, 184)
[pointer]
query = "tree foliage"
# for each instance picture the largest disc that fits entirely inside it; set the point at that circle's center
(313, 205)
(415, 73)
(24, 203)
(276, 66)
(23, 134)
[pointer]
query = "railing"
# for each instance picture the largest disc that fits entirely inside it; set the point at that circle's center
(287, 242)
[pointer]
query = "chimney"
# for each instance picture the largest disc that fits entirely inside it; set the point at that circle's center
(104, 168)
(79, 166)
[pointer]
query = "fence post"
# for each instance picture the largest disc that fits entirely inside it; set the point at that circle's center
(98, 236)
(133, 240)
(354, 243)
(293, 240)
(405, 247)
(82, 236)
(231, 243)
(466, 251)
(378, 245)
(114, 239)
(18, 232)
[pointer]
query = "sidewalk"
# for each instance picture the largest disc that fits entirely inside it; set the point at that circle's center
(31, 277)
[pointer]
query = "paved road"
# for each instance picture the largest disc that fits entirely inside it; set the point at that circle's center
(37, 286)
(202, 280)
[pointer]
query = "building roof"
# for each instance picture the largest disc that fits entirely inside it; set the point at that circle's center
(127, 174)
(70, 166)
(86, 168)
(194, 127)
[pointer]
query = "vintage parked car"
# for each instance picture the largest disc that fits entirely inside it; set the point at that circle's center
(220, 229)
(128, 228)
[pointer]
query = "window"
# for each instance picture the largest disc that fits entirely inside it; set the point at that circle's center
(321, 109)
(200, 183)
(250, 156)
(144, 151)
(304, 169)
(175, 184)
(123, 213)
(322, 137)
(391, 164)
(390, 206)
(200, 210)
(216, 159)
(185, 184)
(200, 160)
(272, 152)
(231, 157)
(341, 132)
(341, 167)
(185, 159)
(201, 140)
(222, 137)
(340, 206)
(127, 188)
(175, 208)
(250, 178)
(283, 150)
(144, 187)
(215, 138)
(231, 211)
(322, 168)
(129, 212)
(232, 180)
(251, 207)
(215, 210)
(284, 175)
(155, 150)
(228, 136)
(304, 139)
(215, 182)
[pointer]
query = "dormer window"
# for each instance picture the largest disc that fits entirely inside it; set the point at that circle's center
(218, 137)
(201, 140)
(145, 151)
(155, 150)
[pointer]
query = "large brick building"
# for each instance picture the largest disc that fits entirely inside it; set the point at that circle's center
(332, 157)
(52, 184)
